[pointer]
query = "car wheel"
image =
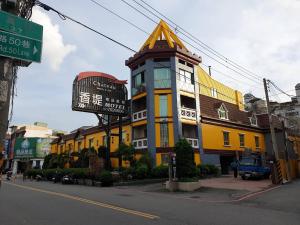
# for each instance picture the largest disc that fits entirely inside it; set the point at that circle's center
(243, 177)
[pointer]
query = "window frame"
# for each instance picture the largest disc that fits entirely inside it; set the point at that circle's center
(223, 109)
(161, 103)
(164, 135)
(256, 140)
(226, 143)
(158, 82)
(251, 120)
(240, 141)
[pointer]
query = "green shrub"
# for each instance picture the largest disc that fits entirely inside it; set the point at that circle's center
(106, 179)
(208, 169)
(128, 173)
(161, 171)
(141, 171)
(32, 173)
(185, 165)
(145, 160)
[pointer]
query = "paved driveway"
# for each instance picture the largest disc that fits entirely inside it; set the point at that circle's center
(229, 182)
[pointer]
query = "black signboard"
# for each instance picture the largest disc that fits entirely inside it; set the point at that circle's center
(100, 93)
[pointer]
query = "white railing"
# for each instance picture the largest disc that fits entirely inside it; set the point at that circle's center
(188, 113)
(140, 143)
(193, 141)
(140, 115)
(184, 86)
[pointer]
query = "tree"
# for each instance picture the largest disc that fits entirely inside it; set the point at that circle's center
(185, 164)
(126, 153)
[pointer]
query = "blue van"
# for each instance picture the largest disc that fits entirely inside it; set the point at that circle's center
(252, 167)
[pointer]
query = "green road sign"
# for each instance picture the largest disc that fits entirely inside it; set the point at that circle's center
(20, 26)
(20, 38)
(19, 47)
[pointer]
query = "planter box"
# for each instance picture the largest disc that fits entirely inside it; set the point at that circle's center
(182, 186)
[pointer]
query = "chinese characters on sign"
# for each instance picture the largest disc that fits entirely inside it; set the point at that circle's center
(19, 38)
(99, 94)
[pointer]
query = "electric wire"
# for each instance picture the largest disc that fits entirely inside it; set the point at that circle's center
(216, 60)
(201, 43)
(122, 18)
(64, 17)
(48, 8)
(279, 89)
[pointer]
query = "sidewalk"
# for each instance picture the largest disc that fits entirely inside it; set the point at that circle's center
(229, 182)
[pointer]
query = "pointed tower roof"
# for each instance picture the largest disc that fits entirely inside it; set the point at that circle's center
(162, 43)
(163, 32)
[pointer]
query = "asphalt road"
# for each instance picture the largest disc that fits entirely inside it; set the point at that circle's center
(44, 203)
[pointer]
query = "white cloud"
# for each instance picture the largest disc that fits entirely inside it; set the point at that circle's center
(267, 41)
(54, 48)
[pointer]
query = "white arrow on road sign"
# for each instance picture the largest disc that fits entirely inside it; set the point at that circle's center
(35, 50)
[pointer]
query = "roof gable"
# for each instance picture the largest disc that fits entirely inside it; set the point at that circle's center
(161, 31)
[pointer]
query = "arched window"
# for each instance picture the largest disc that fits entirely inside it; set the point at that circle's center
(253, 120)
(223, 112)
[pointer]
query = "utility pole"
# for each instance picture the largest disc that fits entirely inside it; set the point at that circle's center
(273, 135)
(6, 79)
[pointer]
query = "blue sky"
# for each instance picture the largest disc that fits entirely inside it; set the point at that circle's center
(262, 35)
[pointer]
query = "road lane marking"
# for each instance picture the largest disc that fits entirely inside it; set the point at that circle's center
(103, 205)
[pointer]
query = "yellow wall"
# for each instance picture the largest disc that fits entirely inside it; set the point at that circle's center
(225, 93)
(212, 136)
(54, 148)
(68, 142)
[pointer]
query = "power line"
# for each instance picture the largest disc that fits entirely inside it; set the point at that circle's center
(129, 22)
(200, 43)
(64, 17)
(206, 54)
(279, 89)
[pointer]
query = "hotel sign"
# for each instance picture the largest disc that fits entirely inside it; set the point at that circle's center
(99, 93)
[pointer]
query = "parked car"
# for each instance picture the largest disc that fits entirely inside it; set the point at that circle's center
(251, 167)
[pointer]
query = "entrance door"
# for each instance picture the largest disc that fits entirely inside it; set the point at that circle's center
(225, 161)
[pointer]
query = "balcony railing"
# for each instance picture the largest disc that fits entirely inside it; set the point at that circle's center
(138, 90)
(140, 143)
(188, 113)
(193, 141)
(140, 115)
(184, 86)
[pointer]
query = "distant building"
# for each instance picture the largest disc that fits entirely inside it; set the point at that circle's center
(28, 145)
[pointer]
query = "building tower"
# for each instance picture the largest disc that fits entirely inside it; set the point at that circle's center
(165, 95)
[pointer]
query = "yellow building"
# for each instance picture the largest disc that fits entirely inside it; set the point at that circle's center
(173, 98)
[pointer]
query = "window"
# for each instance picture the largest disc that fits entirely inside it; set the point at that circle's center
(79, 146)
(256, 142)
(162, 78)
(104, 141)
(163, 105)
(164, 159)
(214, 92)
(91, 141)
(226, 138)
(253, 120)
(123, 136)
(186, 76)
(223, 113)
(164, 135)
(70, 146)
(242, 140)
(138, 80)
